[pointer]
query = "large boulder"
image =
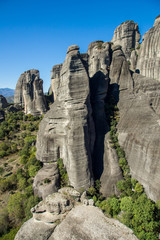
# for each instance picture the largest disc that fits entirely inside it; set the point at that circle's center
(46, 180)
(61, 216)
(89, 223)
(29, 93)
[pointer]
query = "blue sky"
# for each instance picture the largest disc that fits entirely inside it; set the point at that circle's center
(36, 33)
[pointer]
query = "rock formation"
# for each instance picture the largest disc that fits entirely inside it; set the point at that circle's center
(127, 35)
(68, 130)
(76, 130)
(3, 102)
(139, 130)
(60, 216)
(55, 77)
(29, 93)
(64, 131)
(46, 180)
(149, 53)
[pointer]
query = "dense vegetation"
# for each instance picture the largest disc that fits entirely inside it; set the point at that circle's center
(132, 207)
(18, 166)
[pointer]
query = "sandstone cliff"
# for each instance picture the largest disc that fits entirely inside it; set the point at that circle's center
(149, 55)
(29, 93)
(127, 35)
(65, 130)
(75, 129)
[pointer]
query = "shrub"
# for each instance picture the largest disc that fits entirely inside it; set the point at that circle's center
(63, 173)
(47, 180)
(15, 207)
(138, 188)
(4, 221)
(11, 235)
(33, 170)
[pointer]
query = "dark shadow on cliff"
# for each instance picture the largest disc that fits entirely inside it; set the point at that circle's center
(98, 88)
(104, 97)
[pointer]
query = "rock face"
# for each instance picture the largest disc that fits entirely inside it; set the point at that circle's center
(3, 102)
(55, 79)
(64, 131)
(139, 130)
(104, 159)
(29, 93)
(127, 35)
(68, 130)
(149, 55)
(46, 180)
(76, 129)
(62, 216)
(89, 223)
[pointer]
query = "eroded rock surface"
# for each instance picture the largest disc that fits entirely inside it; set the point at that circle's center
(127, 35)
(46, 180)
(29, 93)
(149, 55)
(76, 130)
(89, 223)
(33, 229)
(139, 130)
(65, 130)
(62, 216)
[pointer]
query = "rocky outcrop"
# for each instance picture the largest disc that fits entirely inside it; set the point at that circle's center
(139, 130)
(3, 102)
(62, 216)
(71, 133)
(99, 58)
(104, 159)
(76, 129)
(55, 79)
(127, 35)
(29, 93)
(149, 53)
(89, 223)
(46, 180)
(65, 130)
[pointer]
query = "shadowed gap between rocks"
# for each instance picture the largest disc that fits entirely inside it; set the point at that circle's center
(101, 92)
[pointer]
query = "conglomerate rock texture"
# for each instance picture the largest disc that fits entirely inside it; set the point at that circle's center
(29, 93)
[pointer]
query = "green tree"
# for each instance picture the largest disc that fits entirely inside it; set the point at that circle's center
(15, 207)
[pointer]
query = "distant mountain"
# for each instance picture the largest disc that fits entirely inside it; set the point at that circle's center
(7, 92)
(10, 99)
